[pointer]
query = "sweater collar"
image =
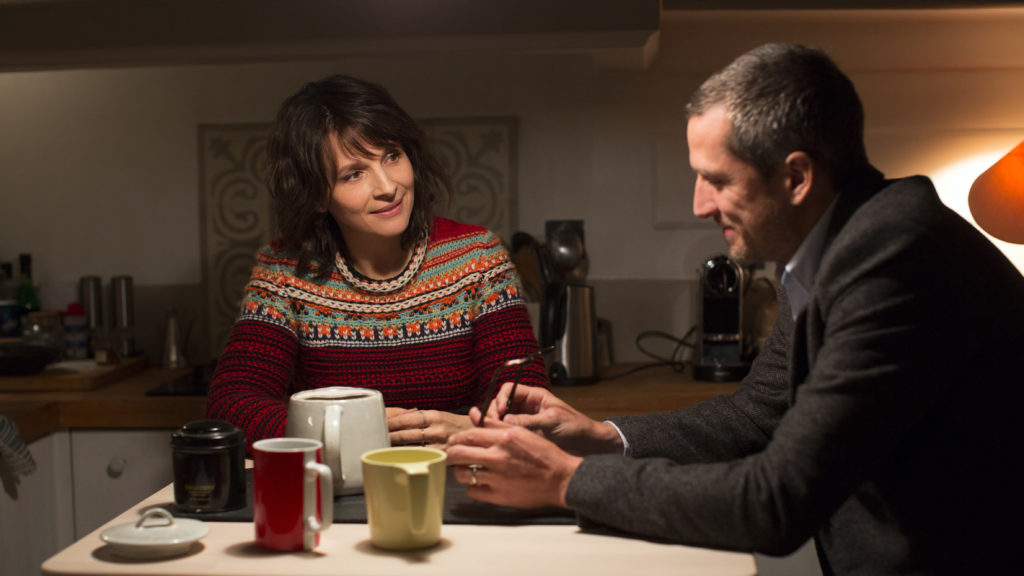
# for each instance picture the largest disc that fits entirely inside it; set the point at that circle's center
(361, 282)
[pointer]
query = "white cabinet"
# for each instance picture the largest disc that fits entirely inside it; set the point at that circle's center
(83, 478)
(36, 510)
(112, 470)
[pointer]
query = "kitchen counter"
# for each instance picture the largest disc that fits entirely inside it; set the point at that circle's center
(124, 404)
(492, 550)
(640, 389)
(118, 404)
(96, 416)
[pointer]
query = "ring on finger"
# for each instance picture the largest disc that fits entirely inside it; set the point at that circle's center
(423, 437)
(472, 474)
(424, 417)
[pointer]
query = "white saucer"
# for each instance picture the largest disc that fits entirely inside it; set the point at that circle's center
(156, 535)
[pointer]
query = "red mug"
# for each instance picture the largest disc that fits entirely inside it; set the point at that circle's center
(290, 506)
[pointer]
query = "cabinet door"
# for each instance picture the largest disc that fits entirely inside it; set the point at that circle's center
(35, 510)
(114, 470)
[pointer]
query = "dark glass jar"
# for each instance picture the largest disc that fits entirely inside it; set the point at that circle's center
(209, 466)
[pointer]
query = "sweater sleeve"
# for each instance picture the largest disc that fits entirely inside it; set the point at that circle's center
(501, 327)
(251, 384)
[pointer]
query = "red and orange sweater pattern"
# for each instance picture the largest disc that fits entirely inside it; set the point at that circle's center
(429, 338)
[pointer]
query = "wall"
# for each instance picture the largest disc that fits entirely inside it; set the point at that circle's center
(98, 168)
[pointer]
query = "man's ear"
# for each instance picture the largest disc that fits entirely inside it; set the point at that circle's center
(799, 172)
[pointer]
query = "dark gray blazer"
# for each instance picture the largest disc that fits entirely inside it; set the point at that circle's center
(883, 423)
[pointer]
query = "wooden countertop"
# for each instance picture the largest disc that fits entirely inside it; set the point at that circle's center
(124, 404)
(640, 389)
(118, 404)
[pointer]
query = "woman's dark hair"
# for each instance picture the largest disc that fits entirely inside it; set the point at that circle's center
(301, 164)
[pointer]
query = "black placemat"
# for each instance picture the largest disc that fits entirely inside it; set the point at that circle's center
(458, 509)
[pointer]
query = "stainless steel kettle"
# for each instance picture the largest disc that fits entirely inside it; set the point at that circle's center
(569, 323)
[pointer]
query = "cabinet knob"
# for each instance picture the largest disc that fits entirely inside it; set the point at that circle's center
(116, 467)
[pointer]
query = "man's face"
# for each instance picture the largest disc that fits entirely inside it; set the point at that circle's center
(754, 213)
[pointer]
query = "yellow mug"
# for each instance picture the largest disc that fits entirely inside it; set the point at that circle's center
(404, 489)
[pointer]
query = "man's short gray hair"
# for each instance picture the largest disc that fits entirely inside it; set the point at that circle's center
(782, 98)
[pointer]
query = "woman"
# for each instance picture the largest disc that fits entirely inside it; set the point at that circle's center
(365, 287)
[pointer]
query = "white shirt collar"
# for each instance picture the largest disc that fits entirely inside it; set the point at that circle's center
(798, 275)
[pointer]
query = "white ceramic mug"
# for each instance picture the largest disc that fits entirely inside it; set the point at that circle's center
(349, 421)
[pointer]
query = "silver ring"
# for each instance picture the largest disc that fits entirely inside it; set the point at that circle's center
(472, 474)
(423, 437)
(424, 417)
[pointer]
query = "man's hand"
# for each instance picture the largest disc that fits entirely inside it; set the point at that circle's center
(541, 411)
(513, 466)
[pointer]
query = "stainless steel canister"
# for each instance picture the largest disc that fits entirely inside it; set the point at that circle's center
(173, 356)
(123, 300)
(90, 294)
(123, 328)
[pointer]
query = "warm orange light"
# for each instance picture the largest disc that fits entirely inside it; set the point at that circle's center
(997, 198)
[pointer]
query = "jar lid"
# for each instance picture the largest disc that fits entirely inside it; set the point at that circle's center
(207, 434)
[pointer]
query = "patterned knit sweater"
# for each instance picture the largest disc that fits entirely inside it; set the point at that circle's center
(429, 338)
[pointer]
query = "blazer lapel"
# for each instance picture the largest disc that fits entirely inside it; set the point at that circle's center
(798, 363)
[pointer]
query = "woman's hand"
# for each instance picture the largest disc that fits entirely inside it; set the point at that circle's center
(414, 427)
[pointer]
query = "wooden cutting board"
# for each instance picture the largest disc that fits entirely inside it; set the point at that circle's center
(70, 376)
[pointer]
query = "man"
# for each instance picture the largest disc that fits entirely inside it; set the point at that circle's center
(878, 418)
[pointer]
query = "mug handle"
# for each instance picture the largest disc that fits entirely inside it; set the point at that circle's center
(332, 439)
(315, 471)
(419, 494)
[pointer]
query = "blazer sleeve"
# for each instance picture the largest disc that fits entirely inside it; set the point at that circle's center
(726, 427)
(688, 451)
(687, 478)
(870, 357)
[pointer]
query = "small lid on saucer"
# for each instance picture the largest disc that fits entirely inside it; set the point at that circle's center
(156, 534)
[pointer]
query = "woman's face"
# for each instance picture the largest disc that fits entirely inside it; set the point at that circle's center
(372, 197)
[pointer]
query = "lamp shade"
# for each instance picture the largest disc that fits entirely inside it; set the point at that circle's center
(996, 199)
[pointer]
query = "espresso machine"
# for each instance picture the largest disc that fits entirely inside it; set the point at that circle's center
(720, 354)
